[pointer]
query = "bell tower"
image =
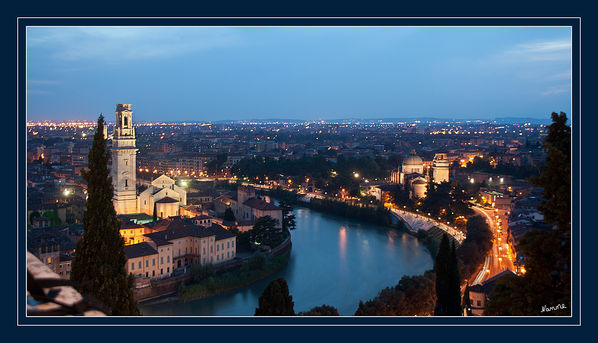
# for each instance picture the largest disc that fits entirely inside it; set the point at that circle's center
(124, 162)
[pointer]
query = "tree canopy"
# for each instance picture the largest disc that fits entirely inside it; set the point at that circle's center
(276, 300)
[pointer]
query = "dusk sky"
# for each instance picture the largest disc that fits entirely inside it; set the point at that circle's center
(220, 73)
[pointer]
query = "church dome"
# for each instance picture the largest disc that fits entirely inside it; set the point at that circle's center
(413, 160)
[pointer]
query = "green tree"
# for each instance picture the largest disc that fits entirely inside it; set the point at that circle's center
(201, 271)
(276, 300)
(288, 218)
(475, 247)
(53, 216)
(155, 216)
(99, 263)
(265, 232)
(448, 294)
(412, 296)
(257, 261)
(555, 176)
(229, 215)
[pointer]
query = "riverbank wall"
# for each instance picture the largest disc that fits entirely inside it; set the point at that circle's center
(160, 288)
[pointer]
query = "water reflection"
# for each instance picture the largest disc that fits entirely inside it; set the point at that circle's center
(342, 242)
(333, 261)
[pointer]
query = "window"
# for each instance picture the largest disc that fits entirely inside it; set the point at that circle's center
(162, 260)
(232, 244)
(139, 264)
(204, 250)
(217, 257)
(167, 259)
(146, 274)
(146, 263)
(153, 262)
(179, 251)
(211, 249)
(228, 254)
(479, 303)
(228, 244)
(153, 273)
(133, 266)
(126, 183)
(218, 247)
(161, 271)
(168, 269)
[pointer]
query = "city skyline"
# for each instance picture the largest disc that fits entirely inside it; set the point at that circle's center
(299, 73)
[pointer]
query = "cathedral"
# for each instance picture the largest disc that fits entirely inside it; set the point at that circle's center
(163, 196)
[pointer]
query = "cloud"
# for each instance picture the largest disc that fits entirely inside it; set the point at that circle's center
(538, 51)
(37, 92)
(561, 76)
(126, 43)
(555, 90)
(42, 82)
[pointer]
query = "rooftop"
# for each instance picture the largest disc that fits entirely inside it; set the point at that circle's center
(139, 249)
(261, 205)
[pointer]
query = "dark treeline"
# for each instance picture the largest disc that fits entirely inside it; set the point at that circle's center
(482, 164)
(475, 247)
(326, 175)
(412, 296)
(373, 214)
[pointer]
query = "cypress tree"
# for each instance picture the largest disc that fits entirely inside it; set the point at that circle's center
(155, 216)
(441, 269)
(448, 294)
(276, 300)
(99, 263)
(454, 284)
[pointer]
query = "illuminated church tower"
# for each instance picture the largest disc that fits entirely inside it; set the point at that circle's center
(124, 162)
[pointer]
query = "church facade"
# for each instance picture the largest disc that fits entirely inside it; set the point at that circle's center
(163, 195)
(413, 176)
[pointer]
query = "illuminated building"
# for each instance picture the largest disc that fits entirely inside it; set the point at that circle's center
(411, 175)
(124, 156)
(441, 168)
(162, 194)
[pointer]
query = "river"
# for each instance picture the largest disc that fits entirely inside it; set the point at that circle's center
(334, 261)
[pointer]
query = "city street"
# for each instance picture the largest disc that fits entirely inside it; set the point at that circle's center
(500, 256)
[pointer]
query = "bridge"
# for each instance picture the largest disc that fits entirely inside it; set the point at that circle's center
(416, 221)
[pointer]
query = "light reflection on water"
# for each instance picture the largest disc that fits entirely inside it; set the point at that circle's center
(334, 261)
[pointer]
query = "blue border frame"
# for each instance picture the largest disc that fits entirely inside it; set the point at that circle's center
(574, 320)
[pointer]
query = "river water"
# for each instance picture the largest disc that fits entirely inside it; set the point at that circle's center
(334, 261)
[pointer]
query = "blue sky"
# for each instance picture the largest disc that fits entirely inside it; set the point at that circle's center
(216, 73)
